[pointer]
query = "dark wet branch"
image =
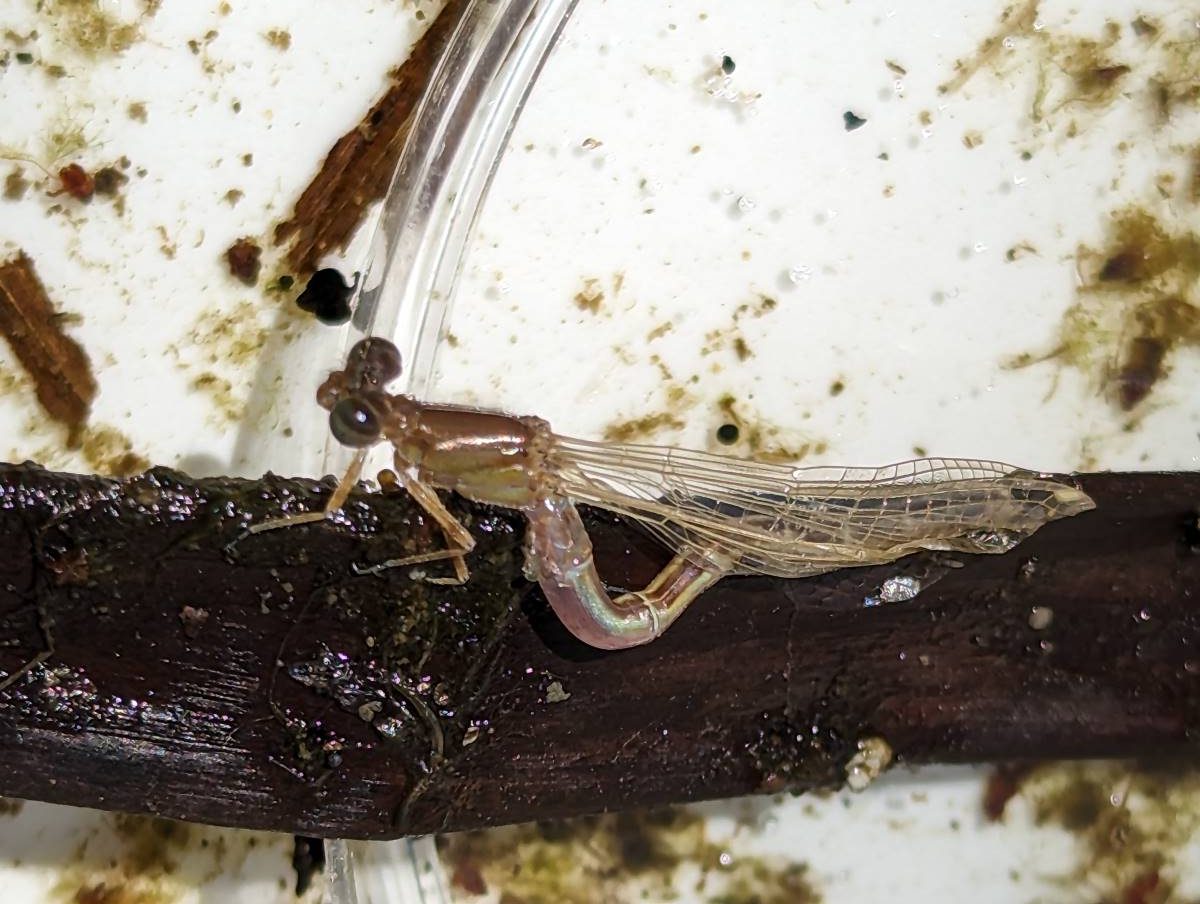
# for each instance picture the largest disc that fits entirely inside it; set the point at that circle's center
(274, 687)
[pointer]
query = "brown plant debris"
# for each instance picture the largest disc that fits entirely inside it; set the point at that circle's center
(1137, 303)
(358, 168)
(1016, 19)
(245, 260)
(60, 369)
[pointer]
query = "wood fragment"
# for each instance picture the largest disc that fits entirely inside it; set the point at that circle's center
(358, 168)
(244, 258)
(58, 365)
(307, 698)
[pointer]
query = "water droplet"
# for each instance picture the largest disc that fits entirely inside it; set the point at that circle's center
(1009, 42)
(725, 858)
(898, 589)
(1040, 617)
(389, 727)
(369, 710)
(746, 204)
(800, 273)
(1143, 615)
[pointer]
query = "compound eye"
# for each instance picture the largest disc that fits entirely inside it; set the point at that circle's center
(355, 422)
(374, 361)
(331, 390)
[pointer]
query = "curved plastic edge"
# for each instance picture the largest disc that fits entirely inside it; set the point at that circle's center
(459, 133)
(452, 152)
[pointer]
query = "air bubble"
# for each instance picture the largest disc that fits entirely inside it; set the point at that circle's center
(746, 204)
(368, 711)
(899, 589)
(1040, 617)
(389, 727)
(800, 273)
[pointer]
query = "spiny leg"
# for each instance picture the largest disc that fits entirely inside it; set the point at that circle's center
(29, 664)
(338, 498)
(457, 536)
(47, 628)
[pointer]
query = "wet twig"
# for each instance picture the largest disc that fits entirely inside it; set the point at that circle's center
(181, 679)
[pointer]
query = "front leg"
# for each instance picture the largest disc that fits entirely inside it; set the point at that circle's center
(338, 498)
(457, 536)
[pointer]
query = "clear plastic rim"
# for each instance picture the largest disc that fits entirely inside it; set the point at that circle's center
(459, 133)
(445, 170)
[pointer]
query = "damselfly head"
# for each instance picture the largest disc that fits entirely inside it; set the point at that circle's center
(354, 396)
(372, 363)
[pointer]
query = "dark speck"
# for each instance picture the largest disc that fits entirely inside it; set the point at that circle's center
(327, 297)
(1122, 267)
(853, 121)
(1144, 28)
(727, 434)
(108, 181)
(1140, 370)
(308, 859)
(28, 57)
(728, 65)
(1191, 532)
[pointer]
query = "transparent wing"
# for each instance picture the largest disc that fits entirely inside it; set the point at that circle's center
(787, 521)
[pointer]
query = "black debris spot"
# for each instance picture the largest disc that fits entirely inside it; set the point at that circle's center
(327, 297)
